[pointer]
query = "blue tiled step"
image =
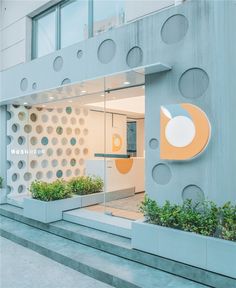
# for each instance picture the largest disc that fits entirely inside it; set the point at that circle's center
(110, 269)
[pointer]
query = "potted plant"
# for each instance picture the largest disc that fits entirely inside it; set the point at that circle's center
(202, 235)
(88, 188)
(3, 192)
(49, 200)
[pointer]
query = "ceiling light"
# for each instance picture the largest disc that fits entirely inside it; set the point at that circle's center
(102, 95)
(25, 103)
(51, 97)
(143, 87)
(70, 101)
(126, 83)
(83, 91)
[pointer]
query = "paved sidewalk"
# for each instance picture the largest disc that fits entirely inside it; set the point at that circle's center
(23, 268)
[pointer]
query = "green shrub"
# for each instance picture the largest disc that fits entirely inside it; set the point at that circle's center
(50, 191)
(85, 185)
(1, 182)
(205, 218)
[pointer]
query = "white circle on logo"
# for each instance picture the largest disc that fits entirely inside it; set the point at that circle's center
(180, 131)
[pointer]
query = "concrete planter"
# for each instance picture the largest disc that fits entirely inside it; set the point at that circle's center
(208, 253)
(3, 196)
(51, 211)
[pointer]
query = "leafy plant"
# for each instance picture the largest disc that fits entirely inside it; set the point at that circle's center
(202, 218)
(50, 191)
(85, 185)
(1, 182)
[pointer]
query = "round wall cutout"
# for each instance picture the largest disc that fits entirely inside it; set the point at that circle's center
(57, 63)
(161, 174)
(106, 51)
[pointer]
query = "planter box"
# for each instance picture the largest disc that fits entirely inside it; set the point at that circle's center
(208, 253)
(3, 196)
(51, 211)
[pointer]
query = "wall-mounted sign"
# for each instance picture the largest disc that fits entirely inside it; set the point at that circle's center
(185, 131)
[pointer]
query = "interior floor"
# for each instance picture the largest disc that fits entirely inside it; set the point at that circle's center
(126, 208)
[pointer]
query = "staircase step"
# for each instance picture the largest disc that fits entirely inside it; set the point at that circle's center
(110, 269)
(99, 221)
(119, 246)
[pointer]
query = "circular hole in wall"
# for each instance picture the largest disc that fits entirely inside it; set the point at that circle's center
(44, 118)
(28, 107)
(54, 141)
(161, 174)
(193, 193)
(33, 140)
(39, 108)
(85, 132)
(68, 151)
(24, 84)
(15, 128)
(21, 188)
(193, 83)
(81, 161)
(49, 174)
(58, 63)
(68, 131)
(21, 164)
(77, 111)
(59, 173)
(9, 115)
(49, 151)
(59, 152)
(39, 129)
(65, 81)
(79, 54)
(64, 120)
(15, 177)
(39, 175)
(27, 128)
(49, 129)
(64, 162)
(44, 163)
(34, 86)
(68, 110)
(174, 29)
(9, 189)
(49, 109)
(59, 110)
(21, 140)
(9, 164)
(44, 141)
(154, 143)
(9, 140)
(85, 151)
(21, 116)
(33, 164)
(77, 131)
(39, 152)
(54, 119)
(68, 173)
(64, 141)
(73, 121)
(106, 51)
(15, 106)
(27, 176)
(54, 163)
(73, 141)
(134, 57)
(77, 151)
(73, 162)
(33, 117)
(59, 130)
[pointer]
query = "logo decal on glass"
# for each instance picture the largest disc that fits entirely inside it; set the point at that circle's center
(185, 131)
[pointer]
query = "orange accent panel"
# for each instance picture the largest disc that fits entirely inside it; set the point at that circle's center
(203, 131)
(124, 165)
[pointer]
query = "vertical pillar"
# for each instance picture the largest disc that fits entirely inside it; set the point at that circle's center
(3, 143)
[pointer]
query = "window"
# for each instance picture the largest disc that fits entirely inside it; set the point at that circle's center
(107, 14)
(72, 21)
(46, 34)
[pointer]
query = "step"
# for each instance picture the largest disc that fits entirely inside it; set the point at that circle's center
(120, 246)
(99, 221)
(110, 269)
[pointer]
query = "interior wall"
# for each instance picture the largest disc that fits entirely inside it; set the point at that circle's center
(140, 138)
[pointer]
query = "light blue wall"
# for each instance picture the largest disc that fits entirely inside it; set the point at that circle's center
(210, 44)
(3, 144)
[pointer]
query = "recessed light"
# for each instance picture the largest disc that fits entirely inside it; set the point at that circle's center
(126, 83)
(51, 97)
(102, 95)
(143, 87)
(70, 101)
(83, 91)
(25, 103)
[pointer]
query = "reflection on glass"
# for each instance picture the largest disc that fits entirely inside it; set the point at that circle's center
(74, 22)
(131, 138)
(107, 15)
(46, 31)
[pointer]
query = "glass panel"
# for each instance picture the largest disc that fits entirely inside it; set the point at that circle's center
(107, 15)
(74, 23)
(46, 34)
(131, 138)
